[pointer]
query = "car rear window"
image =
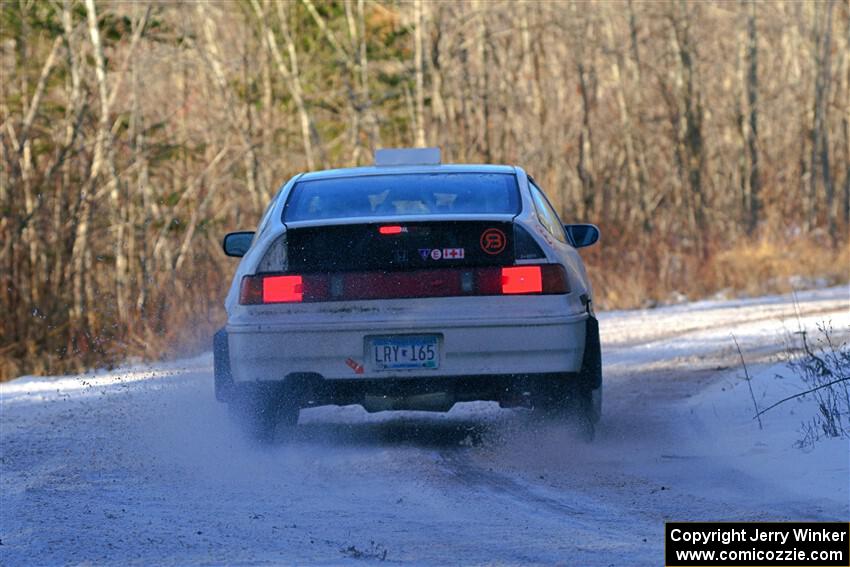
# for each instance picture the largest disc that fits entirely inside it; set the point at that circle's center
(402, 195)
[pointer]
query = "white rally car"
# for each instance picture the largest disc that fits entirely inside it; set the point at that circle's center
(410, 285)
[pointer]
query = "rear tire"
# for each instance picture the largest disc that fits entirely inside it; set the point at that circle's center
(223, 383)
(577, 398)
(590, 377)
(259, 409)
(585, 411)
(567, 402)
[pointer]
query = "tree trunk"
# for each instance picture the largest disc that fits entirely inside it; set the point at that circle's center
(419, 74)
(690, 133)
(753, 113)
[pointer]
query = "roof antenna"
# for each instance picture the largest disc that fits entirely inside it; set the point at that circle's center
(407, 156)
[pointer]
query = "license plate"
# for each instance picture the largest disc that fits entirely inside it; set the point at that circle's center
(405, 352)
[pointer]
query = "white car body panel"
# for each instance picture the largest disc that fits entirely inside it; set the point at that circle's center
(479, 335)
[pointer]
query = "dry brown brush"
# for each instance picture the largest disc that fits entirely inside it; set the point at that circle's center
(822, 364)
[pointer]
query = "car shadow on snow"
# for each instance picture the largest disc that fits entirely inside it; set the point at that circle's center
(405, 430)
(461, 429)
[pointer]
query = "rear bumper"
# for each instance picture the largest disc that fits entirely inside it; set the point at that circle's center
(337, 351)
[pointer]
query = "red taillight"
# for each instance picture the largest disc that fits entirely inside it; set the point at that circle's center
(391, 229)
(283, 289)
(522, 279)
(257, 290)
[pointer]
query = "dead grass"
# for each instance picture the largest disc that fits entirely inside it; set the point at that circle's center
(772, 266)
(179, 320)
(647, 275)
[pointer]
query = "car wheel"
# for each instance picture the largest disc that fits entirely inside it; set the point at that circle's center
(584, 411)
(259, 410)
(587, 398)
(577, 398)
(566, 401)
(287, 415)
(221, 367)
(590, 376)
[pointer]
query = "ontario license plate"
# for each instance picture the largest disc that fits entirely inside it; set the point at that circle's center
(401, 352)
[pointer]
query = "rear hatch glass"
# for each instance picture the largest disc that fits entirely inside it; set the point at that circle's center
(400, 246)
(393, 195)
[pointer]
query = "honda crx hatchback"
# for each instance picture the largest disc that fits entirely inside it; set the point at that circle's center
(409, 285)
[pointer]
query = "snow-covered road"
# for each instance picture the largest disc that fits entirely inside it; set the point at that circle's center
(141, 466)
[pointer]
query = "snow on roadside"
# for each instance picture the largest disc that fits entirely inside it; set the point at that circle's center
(97, 382)
(703, 328)
(723, 427)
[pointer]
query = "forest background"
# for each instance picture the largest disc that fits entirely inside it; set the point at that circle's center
(710, 141)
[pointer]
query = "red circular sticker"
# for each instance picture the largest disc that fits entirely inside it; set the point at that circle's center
(493, 241)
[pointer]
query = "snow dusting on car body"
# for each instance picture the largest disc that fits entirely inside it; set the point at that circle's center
(408, 285)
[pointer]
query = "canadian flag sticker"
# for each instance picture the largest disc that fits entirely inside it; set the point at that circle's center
(453, 253)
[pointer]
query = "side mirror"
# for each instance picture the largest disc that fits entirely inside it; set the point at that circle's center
(237, 243)
(582, 234)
